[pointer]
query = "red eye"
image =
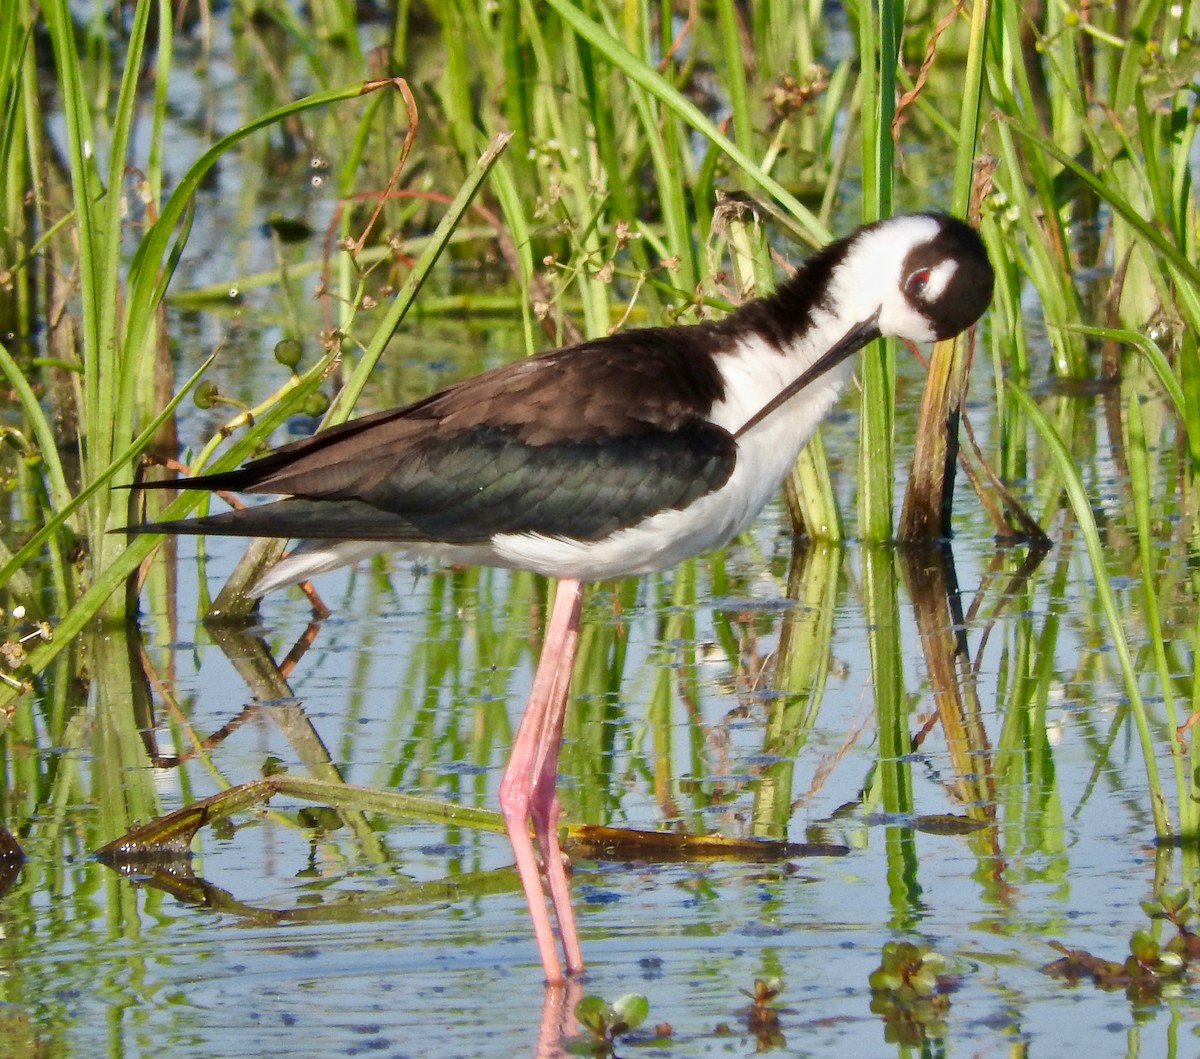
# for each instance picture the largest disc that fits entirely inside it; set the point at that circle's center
(914, 286)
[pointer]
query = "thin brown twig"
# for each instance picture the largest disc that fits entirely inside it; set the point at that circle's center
(409, 137)
(677, 43)
(908, 98)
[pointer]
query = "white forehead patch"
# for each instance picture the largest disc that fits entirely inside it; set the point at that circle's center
(870, 271)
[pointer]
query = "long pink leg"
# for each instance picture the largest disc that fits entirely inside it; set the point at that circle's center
(527, 788)
(545, 811)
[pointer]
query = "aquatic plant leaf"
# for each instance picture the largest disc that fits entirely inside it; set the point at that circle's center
(171, 835)
(618, 843)
(631, 1011)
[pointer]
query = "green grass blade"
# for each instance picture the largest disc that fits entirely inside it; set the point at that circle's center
(1085, 519)
(1139, 480)
(120, 462)
(1128, 210)
(1154, 356)
(654, 83)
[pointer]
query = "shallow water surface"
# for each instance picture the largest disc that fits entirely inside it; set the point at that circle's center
(953, 725)
(748, 712)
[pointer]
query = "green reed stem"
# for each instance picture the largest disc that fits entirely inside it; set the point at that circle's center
(881, 608)
(729, 23)
(1073, 484)
(654, 83)
(975, 88)
(878, 52)
(1139, 481)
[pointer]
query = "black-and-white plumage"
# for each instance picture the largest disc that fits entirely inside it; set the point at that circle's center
(617, 456)
(614, 457)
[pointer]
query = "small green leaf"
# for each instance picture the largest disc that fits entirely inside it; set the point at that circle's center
(1143, 947)
(1170, 963)
(631, 1009)
(593, 1013)
(924, 982)
(885, 981)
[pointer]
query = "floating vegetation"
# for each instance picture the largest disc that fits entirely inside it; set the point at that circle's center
(762, 1017)
(910, 994)
(1150, 965)
(606, 1025)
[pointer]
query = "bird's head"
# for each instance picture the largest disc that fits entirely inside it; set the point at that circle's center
(921, 276)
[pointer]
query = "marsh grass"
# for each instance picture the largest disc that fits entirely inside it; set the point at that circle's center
(660, 167)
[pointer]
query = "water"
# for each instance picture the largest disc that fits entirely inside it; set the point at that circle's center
(405, 937)
(736, 695)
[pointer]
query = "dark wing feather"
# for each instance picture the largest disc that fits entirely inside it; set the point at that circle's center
(353, 519)
(466, 488)
(575, 442)
(640, 381)
(484, 482)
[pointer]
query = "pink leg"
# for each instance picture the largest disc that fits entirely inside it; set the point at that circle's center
(527, 789)
(545, 812)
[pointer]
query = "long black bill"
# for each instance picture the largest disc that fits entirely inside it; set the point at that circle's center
(850, 343)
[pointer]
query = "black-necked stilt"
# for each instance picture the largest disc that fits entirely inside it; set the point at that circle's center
(607, 459)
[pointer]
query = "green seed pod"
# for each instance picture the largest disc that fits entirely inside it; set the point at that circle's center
(206, 394)
(287, 352)
(317, 404)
